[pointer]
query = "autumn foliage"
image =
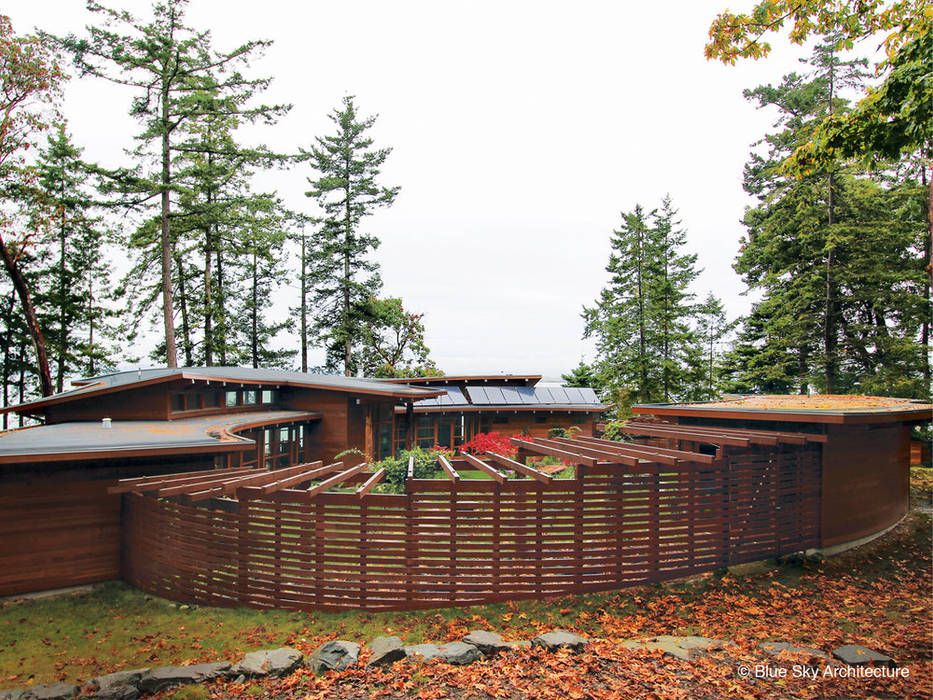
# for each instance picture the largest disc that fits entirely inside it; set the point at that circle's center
(481, 443)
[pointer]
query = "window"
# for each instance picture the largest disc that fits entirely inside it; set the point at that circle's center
(178, 402)
(540, 419)
(250, 398)
(459, 426)
(444, 432)
(267, 396)
(212, 399)
(424, 433)
(231, 399)
(499, 420)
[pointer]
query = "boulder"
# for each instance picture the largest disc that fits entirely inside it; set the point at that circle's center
(856, 655)
(115, 680)
(458, 653)
(118, 692)
(334, 656)
(51, 691)
(491, 643)
(560, 639)
(273, 663)
(12, 694)
(386, 650)
(168, 676)
(684, 648)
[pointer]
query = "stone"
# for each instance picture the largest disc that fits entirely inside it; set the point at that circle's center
(121, 678)
(775, 648)
(457, 653)
(335, 655)
(685, 648)
(386, 650)
(856, 655)
(560, 639)
(168, 676)
(118, 692)
(273, 663)
(12, 694)
(491, 643)
(51, 691)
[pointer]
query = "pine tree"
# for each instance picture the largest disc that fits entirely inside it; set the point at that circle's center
(712, 328)
(74, 273)
(393, 343)
(172, 67)
(346, 191)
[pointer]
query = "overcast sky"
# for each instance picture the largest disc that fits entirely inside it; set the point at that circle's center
(520, 131)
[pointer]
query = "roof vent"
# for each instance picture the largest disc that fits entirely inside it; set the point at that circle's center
(106, 423)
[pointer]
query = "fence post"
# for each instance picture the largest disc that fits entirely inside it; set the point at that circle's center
(243, 548)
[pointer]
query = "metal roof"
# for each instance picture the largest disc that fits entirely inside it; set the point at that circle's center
(77, 439)
(488, 396)
(107, 383)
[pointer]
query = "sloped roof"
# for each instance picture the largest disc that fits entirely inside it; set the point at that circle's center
(82, 440)
(502, 397)
(119, 381)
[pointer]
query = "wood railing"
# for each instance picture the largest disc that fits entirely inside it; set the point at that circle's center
(455, 541)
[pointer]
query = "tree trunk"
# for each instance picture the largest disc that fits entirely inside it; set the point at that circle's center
(304, 303)
(7, 346)
(32, 322)
(347, 341)
(208, 301)
(221, 311)
(62, 315)
(829, 312)
(183, 307)
(90, 316)
(168, 311)
(254, 345)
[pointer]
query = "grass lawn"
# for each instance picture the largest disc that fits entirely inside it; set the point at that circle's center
(878, 595)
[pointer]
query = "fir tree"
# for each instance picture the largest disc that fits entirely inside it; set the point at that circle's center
(346, 191)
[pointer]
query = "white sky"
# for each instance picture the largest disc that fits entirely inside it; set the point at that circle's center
(520, 131)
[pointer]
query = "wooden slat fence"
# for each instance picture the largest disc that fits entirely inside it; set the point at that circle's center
(457, 542)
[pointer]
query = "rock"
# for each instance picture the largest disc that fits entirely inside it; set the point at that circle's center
(492, 643)
(121, 678)
(334, 656)
(51, 691)
(684, 648)
(168, 676)
(240, 679)
(12, 694)
(386, 650)
(775, 648)
(273, 663)
(458, 653)
(560, 639)
(855, 655)
(118, 692)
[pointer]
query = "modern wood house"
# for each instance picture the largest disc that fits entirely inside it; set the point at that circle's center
(58, 525)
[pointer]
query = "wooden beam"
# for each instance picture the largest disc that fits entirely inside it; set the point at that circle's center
(523, 469)
(370, 483)
(336, 479)
(495, 474)
(410, 473)
(152, 482)
(673, 433)
(683, 455)
(543, 449)
(315, 472)
(267, 477)
(448, 468)
(607, 455)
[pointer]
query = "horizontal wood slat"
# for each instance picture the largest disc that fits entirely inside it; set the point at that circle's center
(464, 541)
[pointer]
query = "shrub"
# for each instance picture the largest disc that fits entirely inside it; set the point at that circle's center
(397, 467)
(481, 443)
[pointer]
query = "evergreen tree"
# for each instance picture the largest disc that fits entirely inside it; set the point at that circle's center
(672, 274)
(837, 256)
(172, 67)
(583, 375)
(712, 328)
(73, 270)
(346, 191)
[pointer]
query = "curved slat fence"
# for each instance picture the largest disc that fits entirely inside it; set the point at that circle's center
(457, 542)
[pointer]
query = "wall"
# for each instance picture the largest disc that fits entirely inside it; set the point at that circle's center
(58, 525)
(866, 480)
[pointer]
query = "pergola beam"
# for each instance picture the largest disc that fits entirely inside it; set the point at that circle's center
(520, 468)
(633, 447)
(611, 455)
(370, 483)
(448, 468)
(150, 483)
(336, 479)
(544, 449)
(495, 474)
